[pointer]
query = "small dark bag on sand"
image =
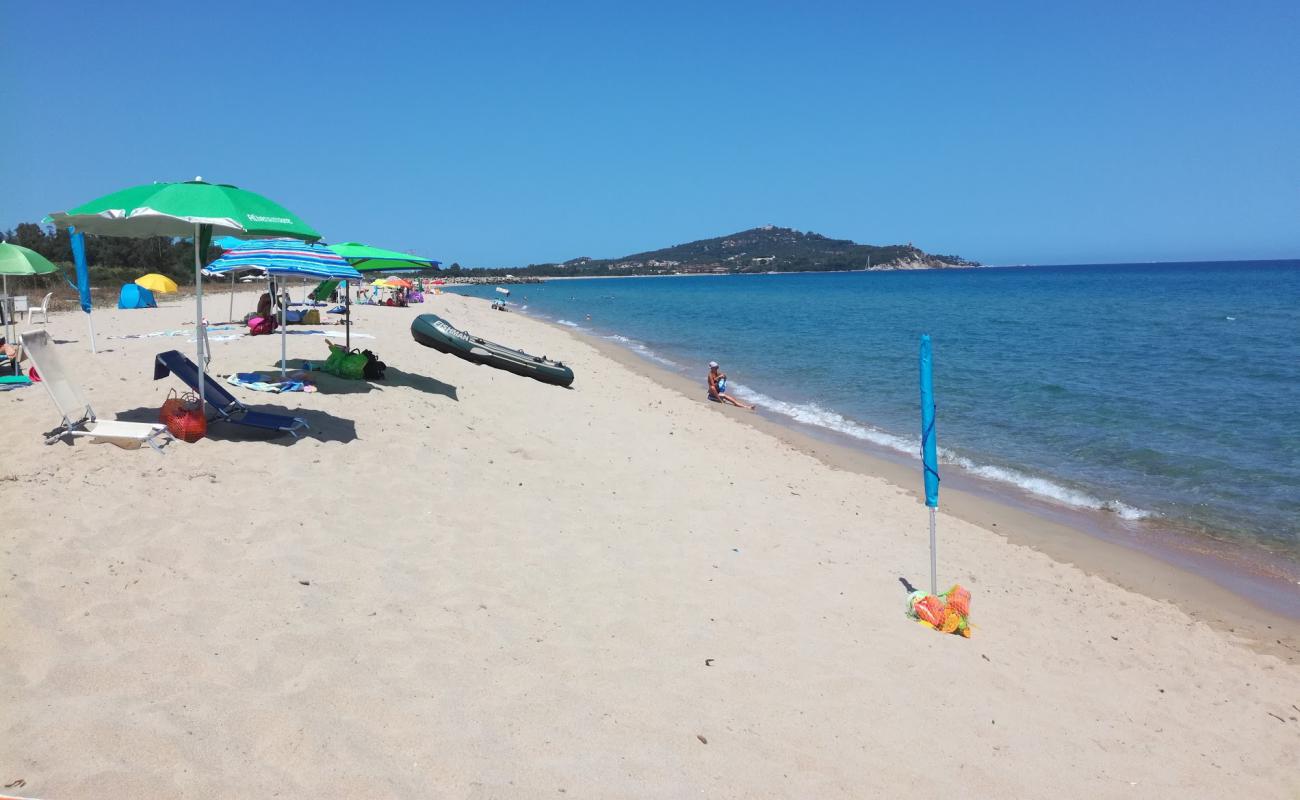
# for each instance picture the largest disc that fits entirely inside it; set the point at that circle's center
(374, 370)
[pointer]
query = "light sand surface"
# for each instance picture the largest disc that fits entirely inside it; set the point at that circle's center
(513, 590)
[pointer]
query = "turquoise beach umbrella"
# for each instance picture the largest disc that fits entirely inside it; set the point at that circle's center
(929, 452)
(285, 257)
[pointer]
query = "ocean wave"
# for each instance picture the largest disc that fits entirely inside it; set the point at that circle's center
(642, 350)
(568, 323)
(1045, 488)
(813, 414)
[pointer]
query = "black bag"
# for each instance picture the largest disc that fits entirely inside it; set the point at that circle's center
(374, 367)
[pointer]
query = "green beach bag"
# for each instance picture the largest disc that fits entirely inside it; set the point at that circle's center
(354, 365)
(334, 364)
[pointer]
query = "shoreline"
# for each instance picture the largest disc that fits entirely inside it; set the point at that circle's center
(1157, 570)
(616, 589)
(1095, 494)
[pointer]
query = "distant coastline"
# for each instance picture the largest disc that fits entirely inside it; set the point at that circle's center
(548, 279)
(767, 249)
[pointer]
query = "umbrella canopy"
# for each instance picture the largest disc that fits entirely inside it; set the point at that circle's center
(173, 209)
(376, 259)
(158, 284)
(193, 208)
(398, 283)
(285, 257)
(18, 260)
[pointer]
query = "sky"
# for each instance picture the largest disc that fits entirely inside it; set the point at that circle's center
(500, 134)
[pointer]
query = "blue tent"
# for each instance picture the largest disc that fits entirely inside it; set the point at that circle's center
(134, 296)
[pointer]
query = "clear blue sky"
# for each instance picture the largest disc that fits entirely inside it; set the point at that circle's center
(503, 133)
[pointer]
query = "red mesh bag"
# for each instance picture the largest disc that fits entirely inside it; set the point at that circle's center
(929, 609)
(959, 599)
(186, 421)
(169, 407)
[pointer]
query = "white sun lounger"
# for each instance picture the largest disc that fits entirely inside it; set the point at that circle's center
(78, 417)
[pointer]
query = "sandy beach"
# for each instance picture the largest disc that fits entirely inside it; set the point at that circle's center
(464, 583)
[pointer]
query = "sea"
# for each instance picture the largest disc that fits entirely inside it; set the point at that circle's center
(1161, 395)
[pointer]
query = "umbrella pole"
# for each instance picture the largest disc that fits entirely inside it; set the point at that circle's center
(198, 323)
(347, 316)
(8, 309)
(284, 335)
(232, 296)
(934, 571)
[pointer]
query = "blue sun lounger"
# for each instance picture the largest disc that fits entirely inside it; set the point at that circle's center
(226, 405)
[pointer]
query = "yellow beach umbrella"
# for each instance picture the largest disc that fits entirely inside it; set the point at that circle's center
(158, 284)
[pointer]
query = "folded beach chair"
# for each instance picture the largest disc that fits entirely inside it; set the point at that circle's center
(78, 417)
(225, 404)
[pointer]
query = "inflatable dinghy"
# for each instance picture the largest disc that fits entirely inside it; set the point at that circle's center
(433, 331)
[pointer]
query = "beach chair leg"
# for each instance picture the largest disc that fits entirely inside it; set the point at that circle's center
(64, 430)
(152, 441)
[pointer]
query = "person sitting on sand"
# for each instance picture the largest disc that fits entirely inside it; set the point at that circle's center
(718, 387)
(8, 353)
(264, 305)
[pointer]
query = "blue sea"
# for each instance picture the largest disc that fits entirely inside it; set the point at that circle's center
(1149, 392)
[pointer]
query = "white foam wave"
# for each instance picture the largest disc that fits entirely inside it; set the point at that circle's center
(813, 414)
(1045, 488)
(568, 323)
(642, 350)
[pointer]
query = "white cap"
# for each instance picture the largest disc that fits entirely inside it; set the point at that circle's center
(713, 364)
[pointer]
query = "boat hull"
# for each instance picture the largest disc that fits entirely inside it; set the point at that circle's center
(433, 331)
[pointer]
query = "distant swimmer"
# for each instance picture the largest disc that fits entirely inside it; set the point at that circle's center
(718, 387)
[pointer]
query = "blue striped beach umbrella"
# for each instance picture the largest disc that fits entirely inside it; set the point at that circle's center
(285, 257)
(929, 452)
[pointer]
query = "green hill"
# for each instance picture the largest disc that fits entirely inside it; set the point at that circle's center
(765, 249)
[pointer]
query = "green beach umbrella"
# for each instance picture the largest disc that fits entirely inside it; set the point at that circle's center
(376, 259)
(192, 208)
(174, 209)
(365, 258)
(16, 260)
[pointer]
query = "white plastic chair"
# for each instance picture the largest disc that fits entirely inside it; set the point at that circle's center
(78, 417)
(43, 309)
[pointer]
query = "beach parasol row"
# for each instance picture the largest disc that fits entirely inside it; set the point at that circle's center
(287, 257)
(200, 210)
(192, 208)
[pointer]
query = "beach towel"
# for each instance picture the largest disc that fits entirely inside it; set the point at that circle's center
(258, 383)
(189, 332)
(8, 382)
(355, 334)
